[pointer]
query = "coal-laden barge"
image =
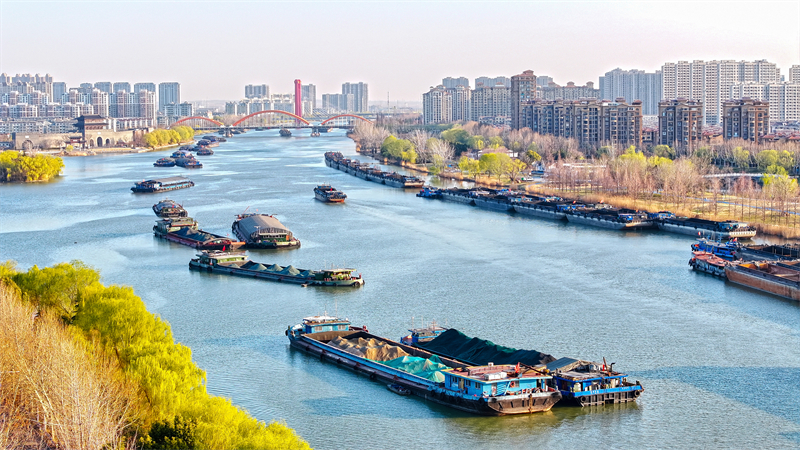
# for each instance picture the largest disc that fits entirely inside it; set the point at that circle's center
(236, 263)
(580, 382)
(263, 231)
(368, 172)
(489, 389)
(185, 231)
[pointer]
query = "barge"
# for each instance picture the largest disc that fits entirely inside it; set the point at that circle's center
(466, 196)
(284, 132)
(184, 231)
(616, 219)
(581, 383)
(779, 278)
(169, 209)
(164, 162)
(497, 202)
(549, 209)
(430, 192)
(236, 263)
(778, 252)
(707, 228)
(479, 389)
(326, 193)
(367, 172)
(161, 185)
(263, 231)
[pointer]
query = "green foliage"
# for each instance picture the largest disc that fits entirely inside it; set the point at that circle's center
(162, 137)
(741, 158)
(471, 166)
(664, 151)
(14, 166)
(176, 411)
(58, 289)
(604, 151)
(401, 149)
(631, 155)
(456, 136)
(69, 148)
(776, 170)
(785, 160)
(494, 163)
(476, 143)
(658, 161)
(766, 158)
(533, 156)
(496, 142)
(177, 434)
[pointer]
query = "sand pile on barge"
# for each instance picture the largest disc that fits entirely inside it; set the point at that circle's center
(369, 348)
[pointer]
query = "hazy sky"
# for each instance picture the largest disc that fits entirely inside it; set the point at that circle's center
(214, 48)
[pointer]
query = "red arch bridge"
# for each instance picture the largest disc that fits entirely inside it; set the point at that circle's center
(272, 119)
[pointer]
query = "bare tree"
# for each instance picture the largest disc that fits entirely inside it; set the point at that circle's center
(420, 140)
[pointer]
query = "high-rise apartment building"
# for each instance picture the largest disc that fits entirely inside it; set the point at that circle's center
(633, 85)
(568, 92)
(680, 123)
(544, 81)
(360, 93)
(460, 97)
(176, 110)
(746, 119)
(491, 104)
(256, 91)
(589, 121)
(437, 105)
(309, 94)
(101, 103)
(492, 82)
(59, 89)
(168, 92)
(794, 74)
(104, 86)
(149, 87)
(338, 102)
(783, 98)
(709, 82)
(452, 83)
(523, 88)
(121, 86)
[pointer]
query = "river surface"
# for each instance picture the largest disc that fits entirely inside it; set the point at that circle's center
(720, 364)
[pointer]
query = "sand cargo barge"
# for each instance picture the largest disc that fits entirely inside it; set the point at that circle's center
(483, 389)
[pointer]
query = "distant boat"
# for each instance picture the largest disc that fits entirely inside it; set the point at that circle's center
(285, 132)
(326, 193)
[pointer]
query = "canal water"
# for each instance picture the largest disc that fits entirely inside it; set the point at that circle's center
(720, 364)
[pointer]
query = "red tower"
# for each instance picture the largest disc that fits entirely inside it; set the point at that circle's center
(298, 98)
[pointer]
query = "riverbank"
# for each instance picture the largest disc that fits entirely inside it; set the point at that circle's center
(721, 211)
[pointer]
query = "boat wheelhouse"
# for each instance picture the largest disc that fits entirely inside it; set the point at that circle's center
(430, 192)
(161, 185)
(237, 263)
(263, 231)
(423, 334)
(586, 383)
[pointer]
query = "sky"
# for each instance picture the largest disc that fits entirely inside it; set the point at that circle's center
(215, 48)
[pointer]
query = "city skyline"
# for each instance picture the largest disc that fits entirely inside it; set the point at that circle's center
(403, 56)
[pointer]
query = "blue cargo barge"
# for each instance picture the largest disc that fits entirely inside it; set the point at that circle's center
(480, 389)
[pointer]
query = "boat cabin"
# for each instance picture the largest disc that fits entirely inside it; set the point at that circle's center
(165, 226)
(574, 375)
(218, 256)
(423, 334)
(335, 274)
(318, 324)
(492, 380)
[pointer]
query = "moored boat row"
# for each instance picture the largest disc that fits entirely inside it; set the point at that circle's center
(368, 172)
(598, 215)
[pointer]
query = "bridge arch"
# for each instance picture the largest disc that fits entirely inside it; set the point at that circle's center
(270, 111)
(202, 119)
(346, 115)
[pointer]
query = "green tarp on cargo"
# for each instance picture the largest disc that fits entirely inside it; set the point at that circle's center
(430, 368)
(455, 344)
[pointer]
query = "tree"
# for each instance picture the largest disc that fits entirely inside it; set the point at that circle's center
(419, 139)
(664, 151)
(741, 158)
(496, 142)
(766, 158)
(515, 167)
(476, 143)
